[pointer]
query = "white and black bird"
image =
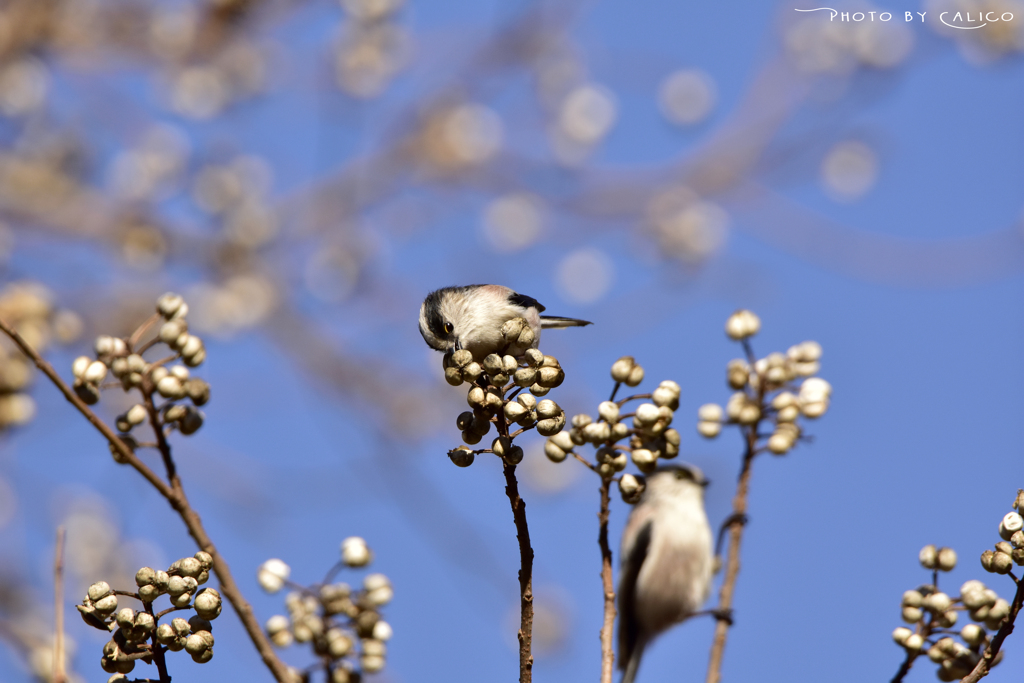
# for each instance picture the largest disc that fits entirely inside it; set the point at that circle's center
(471, 317)
(666, 561)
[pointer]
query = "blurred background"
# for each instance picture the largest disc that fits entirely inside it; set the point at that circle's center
(305, 171)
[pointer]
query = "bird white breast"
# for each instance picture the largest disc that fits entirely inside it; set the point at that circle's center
(679, 565)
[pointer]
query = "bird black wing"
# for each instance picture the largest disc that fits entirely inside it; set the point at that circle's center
(525, 301)
(629, 631)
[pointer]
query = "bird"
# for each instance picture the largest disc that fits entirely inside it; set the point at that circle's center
(470, 317)
(666, 561)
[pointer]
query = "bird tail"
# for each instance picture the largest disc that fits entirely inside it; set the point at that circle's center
(633, 664)
(547, 321)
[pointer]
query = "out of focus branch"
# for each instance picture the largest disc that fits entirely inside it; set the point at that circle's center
(737, 522)
(175, 495)
(59, 671)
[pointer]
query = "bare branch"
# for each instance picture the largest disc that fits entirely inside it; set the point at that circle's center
(736, 525)
(607, 648)
(59, 671)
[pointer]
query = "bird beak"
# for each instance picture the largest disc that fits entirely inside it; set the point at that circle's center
(458, 345)
(705, 483)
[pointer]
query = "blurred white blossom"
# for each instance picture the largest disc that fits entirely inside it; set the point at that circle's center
(849, 170)
(687, 96)
(513, 221)
(588, 113)
(585, 276)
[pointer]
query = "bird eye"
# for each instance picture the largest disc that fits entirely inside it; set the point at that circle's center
(449, 328)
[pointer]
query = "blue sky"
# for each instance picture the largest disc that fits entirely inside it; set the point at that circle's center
(921, 443)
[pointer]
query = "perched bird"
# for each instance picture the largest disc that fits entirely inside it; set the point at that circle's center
(471, 317)
(666, 561)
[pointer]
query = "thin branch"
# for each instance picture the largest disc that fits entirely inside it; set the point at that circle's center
(905, 667)
(164, 613)
(141, 330)
(525, 634)
(732, 568)
(158, 649)
(59, 671)
(736, 526)
(333, 571)
(192, 521)
(607, 650)
(525, 575)
(749, 351)
(161, 437)
(521, 430)
(175, 496)
(584, 461)
(985, 663)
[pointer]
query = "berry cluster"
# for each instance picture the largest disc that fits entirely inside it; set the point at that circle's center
(934, 613)
(650, 437)
(495, 395)
(343, 626)
(139, 635)
(124, 359)
(767, 388)
(1010, 550)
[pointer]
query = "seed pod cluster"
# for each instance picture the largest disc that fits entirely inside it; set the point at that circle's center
(136, 633)
(650, 438)
(518, 336)
(779, 388)
(497, 394)
(933, 614)
(341, 624)
(1009, 551)
(169, 381)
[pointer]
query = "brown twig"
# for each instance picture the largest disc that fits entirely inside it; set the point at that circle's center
(981, 669)
(169, 610)
(141, 330)
(634, 397)
(175, 496)
(584, 461)
(732, 568)
(525, 634)
(158, 650)
(525, 575)
(607, 650)
(905, 667)
(59, 671)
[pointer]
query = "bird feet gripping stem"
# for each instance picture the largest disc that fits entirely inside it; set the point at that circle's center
(725, 615)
